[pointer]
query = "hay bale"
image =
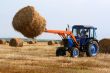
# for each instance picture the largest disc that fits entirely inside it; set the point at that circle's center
(16, 42)
(8, 41)
(56, 42)
(51, 43)
(32, 42)
(29, 22)
(104, 45)
(2, 41)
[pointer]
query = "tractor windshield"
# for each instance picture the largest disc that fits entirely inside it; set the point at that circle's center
(81, 32)
(86, 33)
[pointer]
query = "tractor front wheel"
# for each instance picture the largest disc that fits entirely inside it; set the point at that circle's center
(60, 51)
(74, 52)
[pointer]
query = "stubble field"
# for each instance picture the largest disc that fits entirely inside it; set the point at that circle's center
(40, 58)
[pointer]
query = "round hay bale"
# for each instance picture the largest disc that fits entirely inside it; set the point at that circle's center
(56, 42)
(2, 41)
(32, 42)
(16, 42)
(8, 41)
(104, 45)
(51, 42)
(29, 22)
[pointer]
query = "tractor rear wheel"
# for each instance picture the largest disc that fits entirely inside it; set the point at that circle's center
(60, 51)
(93, 49)
(74, 52)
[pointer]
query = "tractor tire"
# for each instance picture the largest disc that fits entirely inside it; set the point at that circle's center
(74, 52)
(60, 51)
(92, 49)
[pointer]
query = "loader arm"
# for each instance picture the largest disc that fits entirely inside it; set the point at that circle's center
(64, 34)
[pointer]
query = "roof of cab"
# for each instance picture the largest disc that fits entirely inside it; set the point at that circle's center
(84, 27)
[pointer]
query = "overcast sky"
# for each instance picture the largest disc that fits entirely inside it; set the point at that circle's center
(58, 14)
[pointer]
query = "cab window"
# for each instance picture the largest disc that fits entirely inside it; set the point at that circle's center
(91, 33)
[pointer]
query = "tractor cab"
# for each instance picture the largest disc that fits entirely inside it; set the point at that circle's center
(81, 31)
(84, 34)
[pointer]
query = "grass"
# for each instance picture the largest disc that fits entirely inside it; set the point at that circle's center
(41, 59)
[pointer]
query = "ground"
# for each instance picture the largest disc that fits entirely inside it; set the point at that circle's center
(40, 58)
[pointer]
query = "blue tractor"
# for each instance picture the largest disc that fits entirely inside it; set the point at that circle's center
(81, 40)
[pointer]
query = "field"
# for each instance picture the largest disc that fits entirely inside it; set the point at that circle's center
(40, 58)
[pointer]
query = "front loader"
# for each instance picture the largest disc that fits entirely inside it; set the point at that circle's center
(82, 39)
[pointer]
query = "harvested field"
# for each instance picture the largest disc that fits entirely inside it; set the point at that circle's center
(41, 59)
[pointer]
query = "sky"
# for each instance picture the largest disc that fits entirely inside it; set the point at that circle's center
(58, 14)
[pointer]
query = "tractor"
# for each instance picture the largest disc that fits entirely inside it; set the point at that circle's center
(80, 40)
